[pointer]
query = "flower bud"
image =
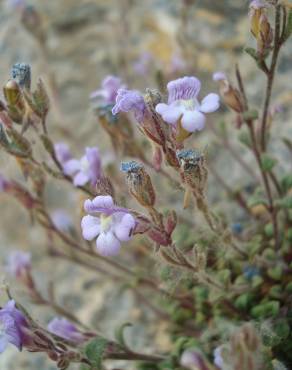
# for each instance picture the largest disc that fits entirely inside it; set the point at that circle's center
(15, 102)
(260, 26)
(194, 169)
(139, 183)
(231, 96)
(32, 22)
(21, 73)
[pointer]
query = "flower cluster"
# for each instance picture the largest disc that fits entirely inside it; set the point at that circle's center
(182, 106)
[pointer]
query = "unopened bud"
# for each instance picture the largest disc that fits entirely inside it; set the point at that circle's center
(231, 96)
(21, 73)
(139, 183)
(259, 25)
(194, 169)
(14, 99)
(32, 22)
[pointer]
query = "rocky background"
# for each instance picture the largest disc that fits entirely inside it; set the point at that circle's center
(135, 39)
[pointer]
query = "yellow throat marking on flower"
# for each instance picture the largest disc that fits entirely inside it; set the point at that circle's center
(105, 222)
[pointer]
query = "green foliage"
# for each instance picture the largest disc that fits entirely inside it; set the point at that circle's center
(268, 163)
(268, 309)
(269, 230)
(94, 351)
(288, 30)
(286, 183)
(244, 138)
(119, 334)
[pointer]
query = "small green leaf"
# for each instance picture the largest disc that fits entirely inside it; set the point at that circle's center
(286, 183)
(250, 115)
(282, 328)
(252, 52)
(275, 273)
(268, 309)
(257, 281)
(269, 230)
(286, 202)
(94, 351)
(288, 30)
(119, 334)
(244, 138)
(268, 162)
(243, 302)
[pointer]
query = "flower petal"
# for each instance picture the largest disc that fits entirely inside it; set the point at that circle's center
(94, 161)
(3, 343)
(171, 114)
(80, 179)
(210, 103)
(103, 201)
(161, 108)
(90, 227)
(185, 88)
(71, 167)
(107, 244)
(124, 227)
(193, 121)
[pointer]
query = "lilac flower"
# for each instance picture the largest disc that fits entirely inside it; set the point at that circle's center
(16, 4)
(177, 63)
(130, 100)
(65, 329)
(109, 88)
(218, 360)
(192, 359)
(18, 263)
(142, 64)
(13, 327)
(62, 152)
(112, 226)
(183, 104)
(3, 183)
(219, 76)
(87, 169)
(62, 220)
(258, 4)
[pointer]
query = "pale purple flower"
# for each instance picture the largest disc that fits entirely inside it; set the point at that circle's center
(3, 183)
(62, 152)
(16, 4)
(130, 100)
(218, 360)
(142, 64)
(183, 104)
(110, 224)
(219, 76)
(65, 329)
(87, 169)
(62, 220)
(177, 63)
(109, 88)
(192, 359)
(258, 4)
(18, 263)
(13, 327)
